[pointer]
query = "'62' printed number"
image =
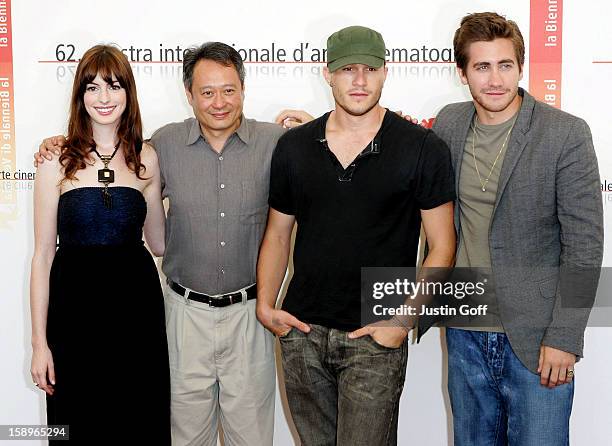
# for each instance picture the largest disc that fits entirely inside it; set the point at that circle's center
(64, 52)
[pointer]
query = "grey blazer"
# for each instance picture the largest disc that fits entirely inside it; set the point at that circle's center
(547, 220)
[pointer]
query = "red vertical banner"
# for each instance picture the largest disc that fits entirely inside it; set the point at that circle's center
(7, 104)
(546, 51)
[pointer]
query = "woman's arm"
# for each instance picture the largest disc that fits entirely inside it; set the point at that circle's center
(46, 197)
(155, 222)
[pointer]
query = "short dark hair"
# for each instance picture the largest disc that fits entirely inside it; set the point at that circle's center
(216, 51)
(486, 27)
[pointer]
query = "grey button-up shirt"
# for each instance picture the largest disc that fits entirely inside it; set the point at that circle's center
(218, 203)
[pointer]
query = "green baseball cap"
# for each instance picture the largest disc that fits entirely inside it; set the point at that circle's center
(355, 44)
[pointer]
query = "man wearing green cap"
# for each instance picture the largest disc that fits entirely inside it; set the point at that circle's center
(359, 181)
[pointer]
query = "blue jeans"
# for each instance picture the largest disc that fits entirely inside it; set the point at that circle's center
(496, 400)
(342, 391)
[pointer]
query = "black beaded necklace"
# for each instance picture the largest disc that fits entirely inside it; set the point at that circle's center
(106, 175)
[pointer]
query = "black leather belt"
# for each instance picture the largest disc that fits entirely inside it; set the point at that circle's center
(219, 301)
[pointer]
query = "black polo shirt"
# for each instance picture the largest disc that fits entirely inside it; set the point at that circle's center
(366, 215)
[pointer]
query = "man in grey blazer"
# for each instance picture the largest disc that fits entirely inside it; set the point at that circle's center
(529, 208)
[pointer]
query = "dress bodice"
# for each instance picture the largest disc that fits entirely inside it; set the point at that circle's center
(83, 220)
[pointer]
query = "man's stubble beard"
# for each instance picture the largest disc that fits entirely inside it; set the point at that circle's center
(480, 96)
(353, 112)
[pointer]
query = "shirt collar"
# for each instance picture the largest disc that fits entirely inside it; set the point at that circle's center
(243, 130)
(195, 132)
(373, 148)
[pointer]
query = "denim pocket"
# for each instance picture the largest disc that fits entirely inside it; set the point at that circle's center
(286, 334)
(293, 358)
(383, 347)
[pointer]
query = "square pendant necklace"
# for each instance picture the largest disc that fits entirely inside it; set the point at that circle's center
(106, 175)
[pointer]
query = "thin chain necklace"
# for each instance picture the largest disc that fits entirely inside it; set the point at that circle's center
(483, 184)
(106, 175)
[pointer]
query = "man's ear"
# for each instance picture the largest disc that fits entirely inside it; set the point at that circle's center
(327, 75)
(189, 96)
(462, 76)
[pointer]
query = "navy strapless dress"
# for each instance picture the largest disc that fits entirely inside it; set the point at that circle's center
(106, 325)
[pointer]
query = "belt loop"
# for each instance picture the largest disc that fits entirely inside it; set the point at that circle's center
(244, 296)
(187, 292)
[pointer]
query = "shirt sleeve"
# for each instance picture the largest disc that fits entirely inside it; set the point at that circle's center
(281, 196)
(436, 179)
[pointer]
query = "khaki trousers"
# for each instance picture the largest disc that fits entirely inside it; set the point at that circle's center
(222, 370)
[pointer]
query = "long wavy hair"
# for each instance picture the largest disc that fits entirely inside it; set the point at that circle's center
(107, 61)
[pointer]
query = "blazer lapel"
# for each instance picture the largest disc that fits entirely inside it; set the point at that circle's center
(518, 142)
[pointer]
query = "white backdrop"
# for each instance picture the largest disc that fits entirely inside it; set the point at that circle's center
(42, 32)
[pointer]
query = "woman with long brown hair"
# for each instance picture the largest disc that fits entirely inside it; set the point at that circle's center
(98, 330)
